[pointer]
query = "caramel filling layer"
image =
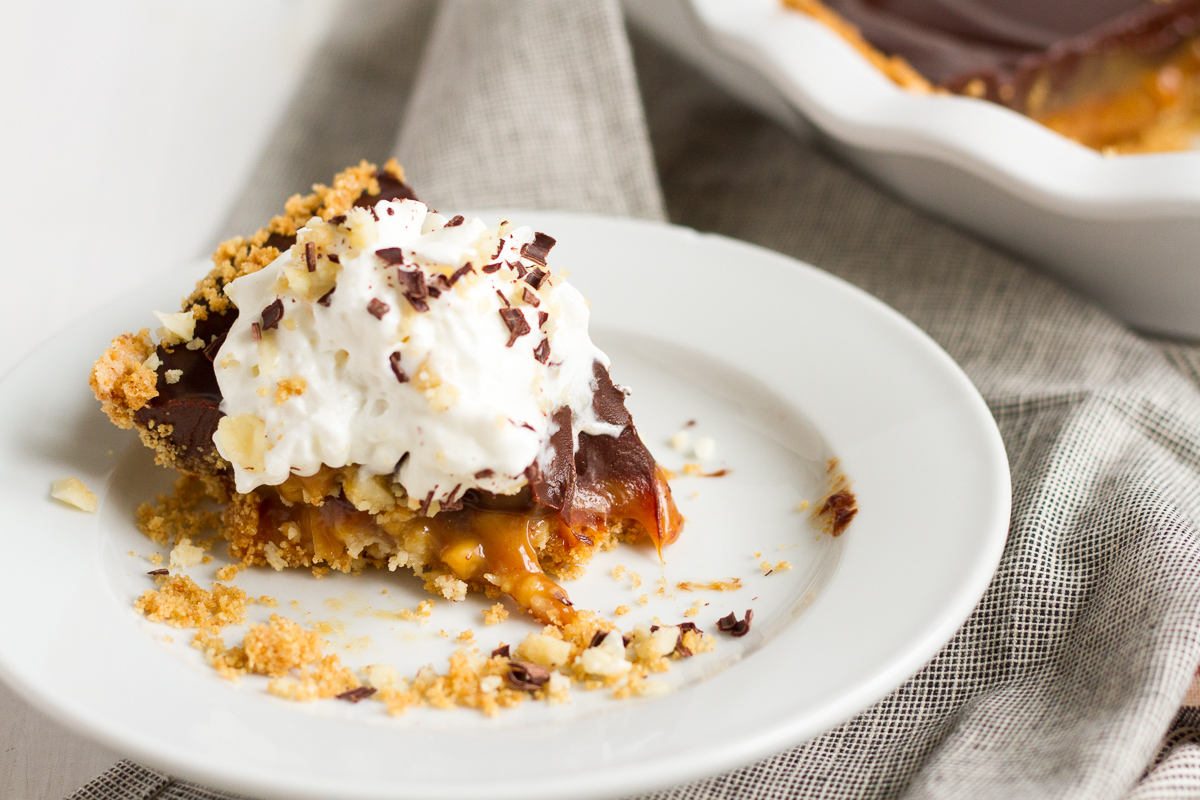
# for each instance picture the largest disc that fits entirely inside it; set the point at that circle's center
(491, 541)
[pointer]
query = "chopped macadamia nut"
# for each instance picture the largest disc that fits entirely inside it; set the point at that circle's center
(545, 650)
(704, 448)
(368, 492)
(648, 645)
(173, 375)
(607, 659)
(242, 438)
(381, 676)
(557, 689)
(176, 328)
(679, 441)
(73, 492)
(185, 554)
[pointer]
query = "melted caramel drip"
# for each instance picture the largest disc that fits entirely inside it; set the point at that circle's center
(488, 542)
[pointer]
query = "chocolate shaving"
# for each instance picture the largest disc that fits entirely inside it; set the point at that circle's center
(413, 281)
(502, 651)
(504, 300)
(334, 258)
(163, 571)
(272, 314)
(484, 473)
(530, 297)
(458, 273)
(391, 255)
(394, 359)
(689, 626)
(452, 501)
(354, 695)
(536, 277)
(537, 250)
(214, 347)
(490, 268)
(733, 626)
(441, 282)
(310, 256)
(542, 317)
(255, 332)
(597, 638)
(377, 308)
(526, 676)
(325, 298)
(426, 503)
(434, 292)
(455, 221)
(338, 220)
(542, 353)
(391, 211)
(626, 639)
(514, 318)
(520, 268)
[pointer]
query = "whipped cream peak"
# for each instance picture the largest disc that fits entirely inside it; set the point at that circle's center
(432, 350)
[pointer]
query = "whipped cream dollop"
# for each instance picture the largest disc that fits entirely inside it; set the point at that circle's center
(433, 351)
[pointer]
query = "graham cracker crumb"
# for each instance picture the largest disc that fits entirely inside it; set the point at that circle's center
(179, 515)
(621, 611)
(422, 614)
(467, 636)
(495, 615)
(643, 600)
(288, 388)
(180, 603)
(279, 646)
(227, 572)
(120, 379)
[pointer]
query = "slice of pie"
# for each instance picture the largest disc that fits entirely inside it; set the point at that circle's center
(365, 382)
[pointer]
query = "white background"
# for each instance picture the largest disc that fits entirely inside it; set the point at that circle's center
(128, 129)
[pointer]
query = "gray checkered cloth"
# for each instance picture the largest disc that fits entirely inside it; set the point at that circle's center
(1068, 678)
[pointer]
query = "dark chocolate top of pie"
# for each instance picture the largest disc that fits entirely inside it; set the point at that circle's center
(952, 41)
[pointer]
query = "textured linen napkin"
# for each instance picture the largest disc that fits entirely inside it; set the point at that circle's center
(1068, 678)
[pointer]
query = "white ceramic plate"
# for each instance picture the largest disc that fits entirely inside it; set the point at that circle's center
(782, 364)
(1120, 229)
